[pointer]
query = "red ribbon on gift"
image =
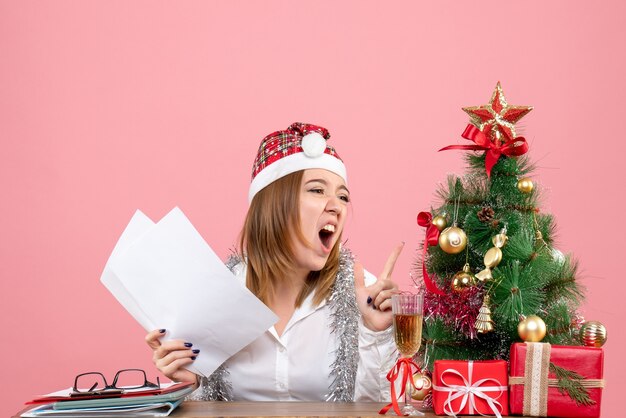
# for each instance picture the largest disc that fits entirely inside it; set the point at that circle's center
(511, 147)
(425, 219)
(403, 364)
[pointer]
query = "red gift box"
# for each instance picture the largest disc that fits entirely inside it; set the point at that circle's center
(534, 390)
(470, 387)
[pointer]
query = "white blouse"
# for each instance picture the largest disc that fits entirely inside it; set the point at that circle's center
(296, 365)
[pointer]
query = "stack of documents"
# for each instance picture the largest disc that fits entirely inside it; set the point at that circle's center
(145, 402)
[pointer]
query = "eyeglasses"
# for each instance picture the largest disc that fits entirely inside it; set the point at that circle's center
(124, 379)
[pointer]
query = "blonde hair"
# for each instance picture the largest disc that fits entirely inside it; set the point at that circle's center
(271, 225)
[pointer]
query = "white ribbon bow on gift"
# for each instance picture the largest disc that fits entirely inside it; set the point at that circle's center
(469, 391)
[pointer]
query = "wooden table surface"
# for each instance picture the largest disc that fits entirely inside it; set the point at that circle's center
(277, 409)
(281, 409)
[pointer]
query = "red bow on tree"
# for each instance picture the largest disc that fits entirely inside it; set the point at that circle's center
(425, 219)
(511, 147)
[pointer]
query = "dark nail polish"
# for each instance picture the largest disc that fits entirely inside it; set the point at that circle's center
(188, 344)
(162, 330)
(196, 351)
(369, 300)
(193, 358)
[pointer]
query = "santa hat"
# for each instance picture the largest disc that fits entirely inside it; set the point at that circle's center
(299, 147)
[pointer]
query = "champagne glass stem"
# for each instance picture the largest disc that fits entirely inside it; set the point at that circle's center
(407, 393)
(408, 408)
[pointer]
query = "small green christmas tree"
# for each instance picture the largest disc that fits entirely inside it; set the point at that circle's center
(488, 259)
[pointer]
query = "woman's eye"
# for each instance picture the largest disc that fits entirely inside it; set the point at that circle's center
(318, 191)
(345, 198)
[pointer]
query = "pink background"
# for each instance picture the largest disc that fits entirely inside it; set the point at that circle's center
(110, 106)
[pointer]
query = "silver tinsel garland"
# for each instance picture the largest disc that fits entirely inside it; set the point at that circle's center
(213, 388)
(345, 324)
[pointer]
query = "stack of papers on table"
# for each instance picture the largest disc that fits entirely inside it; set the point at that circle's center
(131, 403)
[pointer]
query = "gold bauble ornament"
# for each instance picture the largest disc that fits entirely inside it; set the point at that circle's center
(440, 222)
(463, 279)
(452, 240)
(525, 185)
(423, 385)
(593, 334)
(532, 329)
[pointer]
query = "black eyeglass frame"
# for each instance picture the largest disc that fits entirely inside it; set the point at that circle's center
(112, 388)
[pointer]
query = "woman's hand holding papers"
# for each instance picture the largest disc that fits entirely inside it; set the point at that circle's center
(171, 356)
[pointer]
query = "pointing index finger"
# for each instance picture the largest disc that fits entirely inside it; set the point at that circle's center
(391, 261)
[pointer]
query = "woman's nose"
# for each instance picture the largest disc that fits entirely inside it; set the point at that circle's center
(334, 205)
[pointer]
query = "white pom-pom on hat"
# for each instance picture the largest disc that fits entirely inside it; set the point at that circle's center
(313, 144)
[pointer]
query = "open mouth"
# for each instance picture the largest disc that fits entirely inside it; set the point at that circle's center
(326, 236)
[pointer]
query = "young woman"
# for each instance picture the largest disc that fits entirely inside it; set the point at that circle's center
(333, 338)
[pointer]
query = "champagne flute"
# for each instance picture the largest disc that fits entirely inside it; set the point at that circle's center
(407, 311)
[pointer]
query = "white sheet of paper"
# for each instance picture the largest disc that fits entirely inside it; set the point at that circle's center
(138, 225)
(168, 277)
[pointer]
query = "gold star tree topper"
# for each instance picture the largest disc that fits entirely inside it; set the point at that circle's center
(497, 119)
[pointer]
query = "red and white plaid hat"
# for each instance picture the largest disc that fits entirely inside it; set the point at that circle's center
(299, 147)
